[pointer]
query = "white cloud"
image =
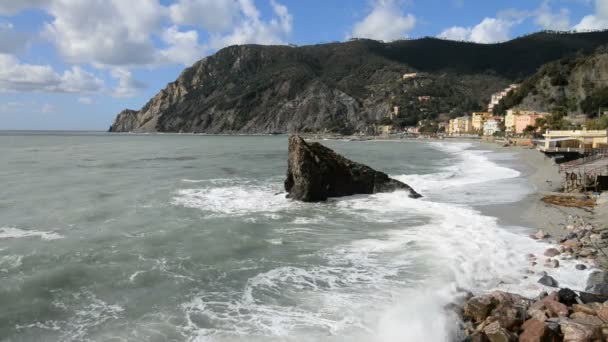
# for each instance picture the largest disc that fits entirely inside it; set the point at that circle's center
(385, 22)
(127, 85)
(597, 21)
(253, 30)
(489, 30)
(183, 46)
(549, 20)
(213, 15)
(105, 32)
(457, 33)
(17, 76)
(85, 100)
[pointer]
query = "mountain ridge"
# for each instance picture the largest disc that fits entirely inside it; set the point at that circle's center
(344, 87)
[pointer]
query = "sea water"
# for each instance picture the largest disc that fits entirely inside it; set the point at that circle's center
(190, 238)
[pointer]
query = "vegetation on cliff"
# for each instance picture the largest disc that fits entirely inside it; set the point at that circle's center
(344, 87)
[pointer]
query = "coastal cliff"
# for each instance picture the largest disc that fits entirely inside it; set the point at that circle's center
(343, 87)
(576, 84)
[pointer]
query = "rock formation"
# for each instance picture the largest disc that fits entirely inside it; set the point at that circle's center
(315, 173)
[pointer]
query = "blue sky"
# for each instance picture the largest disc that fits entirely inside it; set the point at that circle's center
(74, 64)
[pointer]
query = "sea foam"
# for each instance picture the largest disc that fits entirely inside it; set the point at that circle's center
(16, 233)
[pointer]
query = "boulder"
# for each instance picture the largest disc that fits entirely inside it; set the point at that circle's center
(316, 173)
(598, 283)
(579, 332)
(479, 308)
(536, 331)
(548, 281)
(496, 333)
(567, 296)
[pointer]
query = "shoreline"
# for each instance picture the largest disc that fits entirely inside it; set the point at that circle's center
(570, 233)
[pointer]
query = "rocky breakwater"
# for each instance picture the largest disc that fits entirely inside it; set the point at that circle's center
(562, 315)
(316, 173)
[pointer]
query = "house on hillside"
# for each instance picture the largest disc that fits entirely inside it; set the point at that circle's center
(500, 95)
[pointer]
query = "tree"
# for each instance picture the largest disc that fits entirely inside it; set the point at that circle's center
(530, 129)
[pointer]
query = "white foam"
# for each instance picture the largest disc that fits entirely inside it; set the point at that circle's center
(392, 285)
(16, 233)
(240, 199)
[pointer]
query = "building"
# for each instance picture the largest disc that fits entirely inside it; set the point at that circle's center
(384, 130)
(477, 120)
(510, 120)
(500, 95)
(526, 119)
(409, 76)
(395, 113)
(491, 126)
(461, 125)
(424, 98)
(517, 120)
(581, 141)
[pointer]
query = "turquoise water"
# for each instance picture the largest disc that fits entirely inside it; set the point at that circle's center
(190, 238)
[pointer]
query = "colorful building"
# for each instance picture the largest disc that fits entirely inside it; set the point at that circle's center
(461, 125)
(477, 120)
(528, 119)
(492, 125)
(499, 96)
(517, 120)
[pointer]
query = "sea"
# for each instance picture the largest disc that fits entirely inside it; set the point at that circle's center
(176, 237)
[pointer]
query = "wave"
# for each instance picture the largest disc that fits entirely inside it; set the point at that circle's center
(16, 233)
(368, 289)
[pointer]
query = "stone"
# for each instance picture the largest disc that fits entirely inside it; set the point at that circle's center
(552, 263)
(567, 297)
(583, 308)
(541, 235)
(603, 313)
(551, 252)
(479, 308)
(316, 173)
(597, 283)
(476, 337)
(579, 315)
(573, 243)
(577, 332)
(535, 330)
(586, 252)
(548, 281)
(555, 308)
(580, 267)
(571, 236)
(496, 333)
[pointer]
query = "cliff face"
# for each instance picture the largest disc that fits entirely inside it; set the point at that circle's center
(575, 84)
(340, 87)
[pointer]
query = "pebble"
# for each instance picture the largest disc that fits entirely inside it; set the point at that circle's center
(580, 267)
(551, 252)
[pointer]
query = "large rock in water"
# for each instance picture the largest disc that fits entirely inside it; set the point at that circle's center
(315, 173)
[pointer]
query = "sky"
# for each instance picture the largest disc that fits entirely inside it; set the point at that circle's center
(74, 64)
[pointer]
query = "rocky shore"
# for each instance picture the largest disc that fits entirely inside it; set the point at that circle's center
(572, 234)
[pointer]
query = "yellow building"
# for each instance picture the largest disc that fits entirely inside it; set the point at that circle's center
(461, 125)
(510, 120)
(477, 120)
(574, 141)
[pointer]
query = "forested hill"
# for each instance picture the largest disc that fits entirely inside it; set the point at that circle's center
(344, 87)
